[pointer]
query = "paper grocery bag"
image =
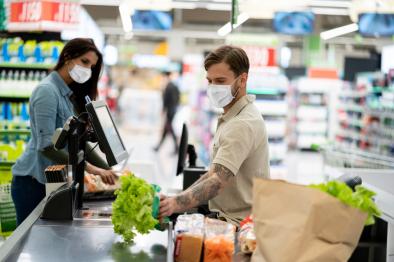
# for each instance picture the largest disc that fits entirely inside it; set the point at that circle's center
(296, 223)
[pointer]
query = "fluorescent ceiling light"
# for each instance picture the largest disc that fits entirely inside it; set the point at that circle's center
(219, 7)
(330, 11)
(339, 31)
(226, 29)
(125, 15)
(184, 5)
(327, 3)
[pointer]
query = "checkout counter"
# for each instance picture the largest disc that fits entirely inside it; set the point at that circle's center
(88, 237)
(382, 183)
(64, 228)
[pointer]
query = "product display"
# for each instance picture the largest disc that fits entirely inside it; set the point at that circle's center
(366, 115)
(313, 117)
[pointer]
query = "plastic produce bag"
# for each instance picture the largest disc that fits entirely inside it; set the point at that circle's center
(189, 236)
(298, 223)
(246, 236)
(219, 241)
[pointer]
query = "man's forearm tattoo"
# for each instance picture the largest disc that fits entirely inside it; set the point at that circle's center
(207, 188)
(223, 172)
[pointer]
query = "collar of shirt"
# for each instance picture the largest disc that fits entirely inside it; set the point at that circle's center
(64, 88)
(237, 107)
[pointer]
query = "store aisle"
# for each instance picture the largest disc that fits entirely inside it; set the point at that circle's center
(160, 167)
(155, 167)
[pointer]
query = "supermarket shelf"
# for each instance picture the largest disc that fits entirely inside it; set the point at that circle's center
(27, 66)
(15, 132)
(306, 141)
(275, 128)
(355, 135)
(352, 107)
(352, 122)
(272, 107)
(312, 113)
(6, 164)
(265, 91)
(306, 127)
(14, 98)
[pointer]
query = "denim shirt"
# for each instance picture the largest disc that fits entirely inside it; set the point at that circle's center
(50, 107)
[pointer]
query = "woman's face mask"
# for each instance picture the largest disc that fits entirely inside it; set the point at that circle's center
(221, 95)
(80, 74)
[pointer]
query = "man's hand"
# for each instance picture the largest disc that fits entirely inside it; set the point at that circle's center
(167, 206)
(199, 193)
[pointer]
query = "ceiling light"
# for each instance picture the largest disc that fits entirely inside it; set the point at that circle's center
(125, 15)
(226, 29)
(330, 11)
(184, 5)
(339, 31)
(328, 3)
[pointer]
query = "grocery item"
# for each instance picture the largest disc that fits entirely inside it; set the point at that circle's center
(189, 235)
(285, 213)
(94, 183)
(132, 209)
(361, 198)
(246, 236)
(219, 241)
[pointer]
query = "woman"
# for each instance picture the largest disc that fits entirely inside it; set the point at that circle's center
(60, 95)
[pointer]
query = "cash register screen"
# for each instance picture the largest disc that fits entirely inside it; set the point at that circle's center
(109, 130)
(108, 136)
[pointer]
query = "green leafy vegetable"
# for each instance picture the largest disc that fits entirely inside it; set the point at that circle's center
(132, 209)
(362, 198)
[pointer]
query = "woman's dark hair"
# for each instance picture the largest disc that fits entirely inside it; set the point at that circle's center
(73, 49)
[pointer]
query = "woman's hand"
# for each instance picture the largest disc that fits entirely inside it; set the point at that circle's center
(108, 176)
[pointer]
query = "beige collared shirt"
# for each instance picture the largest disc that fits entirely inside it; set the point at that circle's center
(240, 145)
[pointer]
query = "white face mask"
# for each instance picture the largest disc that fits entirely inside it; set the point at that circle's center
(221, 95)
(80, 74)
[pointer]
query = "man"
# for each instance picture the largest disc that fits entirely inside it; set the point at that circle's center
(170, 105)
(240, 150)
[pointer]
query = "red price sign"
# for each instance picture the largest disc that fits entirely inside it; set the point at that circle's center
(260, 56)
(51, 15)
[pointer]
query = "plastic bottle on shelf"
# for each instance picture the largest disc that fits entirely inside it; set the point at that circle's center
(9, 80)
(24, 112)
(1, 113)
(23, 87)
(16, 83)
(43, 75)
(36, 78)
(8, 112)
(3, 77)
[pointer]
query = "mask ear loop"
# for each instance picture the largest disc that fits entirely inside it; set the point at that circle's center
(236, 93)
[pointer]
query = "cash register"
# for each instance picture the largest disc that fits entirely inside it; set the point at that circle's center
(95, 125)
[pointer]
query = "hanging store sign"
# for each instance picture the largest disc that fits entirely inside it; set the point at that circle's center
(43, 15)
(260, 56)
